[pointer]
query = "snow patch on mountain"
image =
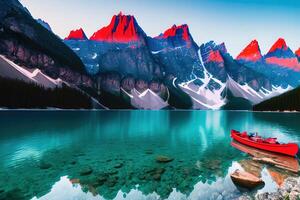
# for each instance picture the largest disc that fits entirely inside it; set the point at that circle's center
(147, 100)
(11, 70)
(246, 92)
(202, 95)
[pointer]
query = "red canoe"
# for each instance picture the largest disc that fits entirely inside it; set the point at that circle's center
(290, 149)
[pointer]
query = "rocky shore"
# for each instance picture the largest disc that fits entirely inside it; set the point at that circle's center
(290, 190)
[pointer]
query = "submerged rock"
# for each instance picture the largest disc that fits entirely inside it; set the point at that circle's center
(148, 152)
(157, 177)
(102, 178)
(86, 171)
(75, 181)
(118, 165)
(245, 179)
(112, 181)
(112, 172)
(44, 165)
(73, 162)
(163, 159)
(213, 164)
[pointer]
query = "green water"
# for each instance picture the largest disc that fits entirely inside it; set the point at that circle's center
(112, 154)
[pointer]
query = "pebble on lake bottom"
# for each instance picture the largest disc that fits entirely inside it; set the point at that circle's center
(86, 171)
(163, 159)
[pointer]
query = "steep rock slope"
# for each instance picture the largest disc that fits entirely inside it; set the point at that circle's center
(177, 53)
(26, 42)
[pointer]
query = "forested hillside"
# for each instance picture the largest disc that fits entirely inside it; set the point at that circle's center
(289, 101)
(18, 94)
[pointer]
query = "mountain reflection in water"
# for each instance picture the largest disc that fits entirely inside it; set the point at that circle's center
(113, 154)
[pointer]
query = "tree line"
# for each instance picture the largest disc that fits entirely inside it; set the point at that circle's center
(19, 94)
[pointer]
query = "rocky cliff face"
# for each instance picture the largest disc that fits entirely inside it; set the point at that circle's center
(28, 43)
(220, 64)
(213, 61)
(137, 62)
(177, 53)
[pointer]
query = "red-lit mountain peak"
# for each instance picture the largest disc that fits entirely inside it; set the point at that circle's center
(279, 44)
(122, 29)
(182, 30)
(298, 53)
(251, 52)
(76, 35)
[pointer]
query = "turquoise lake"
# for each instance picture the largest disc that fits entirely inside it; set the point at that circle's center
(113, 154)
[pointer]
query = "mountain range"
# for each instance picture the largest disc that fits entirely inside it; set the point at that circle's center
(120, 66)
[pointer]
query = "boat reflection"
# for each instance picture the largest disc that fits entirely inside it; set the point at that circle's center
(277, 160)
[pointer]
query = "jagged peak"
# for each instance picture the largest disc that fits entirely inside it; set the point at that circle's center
(180, 30)
(77, 34)
(122, 29)
(279, 44)
(251, 52)
(212, 52)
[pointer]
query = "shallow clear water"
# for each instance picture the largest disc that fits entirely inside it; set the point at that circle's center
(112, 154)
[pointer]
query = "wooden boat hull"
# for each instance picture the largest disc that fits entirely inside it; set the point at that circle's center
(290, 149)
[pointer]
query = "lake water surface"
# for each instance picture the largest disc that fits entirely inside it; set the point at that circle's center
(113, 154)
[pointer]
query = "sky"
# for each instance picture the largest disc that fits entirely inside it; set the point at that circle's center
(235, 22)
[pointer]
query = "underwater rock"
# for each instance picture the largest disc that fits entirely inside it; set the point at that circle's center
(112, 181)
(112, 171)
(44, 165)
(118, 165)
(149, 152)
(102, 178)
(163, 159)
(73, 162)
(244, 197)
(290, 190)
(75, 181)
(213, 164)
(86, 171)
(156, 174)
(157, 177)
(142, 177)
(245, 179)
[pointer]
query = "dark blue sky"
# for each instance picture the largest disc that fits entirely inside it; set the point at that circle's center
(235, 22)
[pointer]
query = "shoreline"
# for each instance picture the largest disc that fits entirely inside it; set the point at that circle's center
(290, 190)
(180, 110)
